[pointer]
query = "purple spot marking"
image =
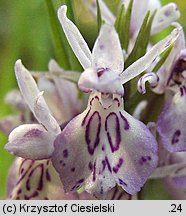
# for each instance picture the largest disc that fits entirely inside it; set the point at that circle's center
(108, 164)
(114, 146)
(40, 183)
(62, 163)
(126, 123)
(175, 138)
(93, 144)
(167, 13)
(103, 148)
(19, 191)
(144, 160)
(118, 166)
(48, 177)
(101, 46)
(85, 118)
(34, 194)
(73, 169)
(94, 172)
(33, 133)
(181, 91)
(121, 182)
(95, 98)
(65, 153)
(90, 166)
(116, 99)
(27, 170)
(78, 183)
(180, 169)
(22, 170)
(184, 89)
(100, 71)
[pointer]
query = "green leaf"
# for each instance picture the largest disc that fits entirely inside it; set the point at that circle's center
(164, 57)
(99, 19)
(126, 27)
(119, 23)
(154, 190)
(58, 38)
(142, 40)
(122, 25)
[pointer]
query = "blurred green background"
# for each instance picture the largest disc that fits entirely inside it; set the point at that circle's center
(25, 34)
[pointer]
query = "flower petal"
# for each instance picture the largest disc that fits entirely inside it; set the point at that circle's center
(135, 157)
(71, 156)
(151, 77)
(27, 84)
(171, 123)
(105, 11)
(34, 98)
(139, 11)
(12, 176)
(117, 193)
(107, 52)
(101, 180)
(138, 14)
(139, 109)
(75, 38)
(42, 112)
(30, 141)
(173, 170)
(107, 139)
(37, 180)
(164, 17)
(144, 62)
(67, 91)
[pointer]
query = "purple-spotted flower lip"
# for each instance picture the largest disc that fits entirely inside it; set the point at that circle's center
(107, 140)
(30, 180)
(171, 122)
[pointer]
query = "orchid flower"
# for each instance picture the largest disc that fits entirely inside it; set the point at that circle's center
(171, 81)
(177, 185)
(115, 147)
(29, 179)
(165, 15)
(171, 168)
(23, 138)
(37, 179)
(33, 141)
